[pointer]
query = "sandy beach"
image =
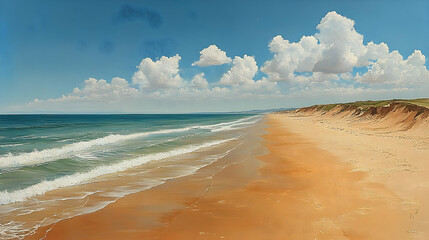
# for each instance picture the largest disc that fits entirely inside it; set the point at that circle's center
(212, 120)
(297, 177)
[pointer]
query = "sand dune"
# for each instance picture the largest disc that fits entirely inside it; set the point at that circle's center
(394, 116)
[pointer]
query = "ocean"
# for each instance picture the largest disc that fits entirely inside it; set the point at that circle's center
(58, 166)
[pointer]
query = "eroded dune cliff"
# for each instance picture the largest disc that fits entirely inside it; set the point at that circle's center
(392, 116)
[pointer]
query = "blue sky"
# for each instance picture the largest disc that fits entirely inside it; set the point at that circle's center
(48, 48)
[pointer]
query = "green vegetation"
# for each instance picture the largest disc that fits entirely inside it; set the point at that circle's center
(326, 107)
(367, 104)
(424, 102)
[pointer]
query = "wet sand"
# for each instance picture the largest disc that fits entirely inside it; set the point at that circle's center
(290, 185)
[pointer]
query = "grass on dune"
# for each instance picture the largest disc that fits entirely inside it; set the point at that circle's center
(424, 102)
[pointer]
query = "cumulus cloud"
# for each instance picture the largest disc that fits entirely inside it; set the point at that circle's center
(99, 90)
(291, 57)
(393, 69)
(262, 86)
(242, 71)
(337, 48)
(316, 78)
(335, 51)
(160, 74)
(199, 82)
(241, 75)
(212, 55)
(374, 52)
(160, 80)
(342, 45)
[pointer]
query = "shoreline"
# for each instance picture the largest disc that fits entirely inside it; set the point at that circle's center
(159, 203)
(295, 184)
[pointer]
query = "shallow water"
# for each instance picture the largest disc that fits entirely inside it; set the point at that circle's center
(58, 166)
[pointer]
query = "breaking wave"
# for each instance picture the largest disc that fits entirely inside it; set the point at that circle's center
(83, 177)
(38, 157)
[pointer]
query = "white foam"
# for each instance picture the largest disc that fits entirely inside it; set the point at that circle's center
(84, 177)
(66, 140)
(219, 126)
(12, 145)
(234, 125)
(46, 155)
(52, 154)
(29, 211)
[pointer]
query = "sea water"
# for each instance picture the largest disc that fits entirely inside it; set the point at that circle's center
(58, 166)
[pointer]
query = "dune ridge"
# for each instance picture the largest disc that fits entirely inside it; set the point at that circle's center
(394, 115)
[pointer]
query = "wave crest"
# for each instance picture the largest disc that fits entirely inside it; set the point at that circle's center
(47, 155)
(82, 177)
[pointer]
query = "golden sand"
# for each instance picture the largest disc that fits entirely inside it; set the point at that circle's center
(319, 180)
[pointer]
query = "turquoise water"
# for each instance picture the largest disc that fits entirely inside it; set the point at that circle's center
(54, 167)
(40, 153)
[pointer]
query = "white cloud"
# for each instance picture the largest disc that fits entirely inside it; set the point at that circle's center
(337, 48)
(160, 74)
(242, 71)
(102, 90)
(291, 57)
(212, 55)
(240, 78)
(263, 86)
(199, 82)
(334, 52)
(342, 45)
(316, 78)
(98, 90)
(348, 76)
(374, 52)
(393, 69)
(416, 59)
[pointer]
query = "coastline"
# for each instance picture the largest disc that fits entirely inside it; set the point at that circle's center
(144, 214)
(305, 180)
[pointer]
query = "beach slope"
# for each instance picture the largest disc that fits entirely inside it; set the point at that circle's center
(316, 173)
